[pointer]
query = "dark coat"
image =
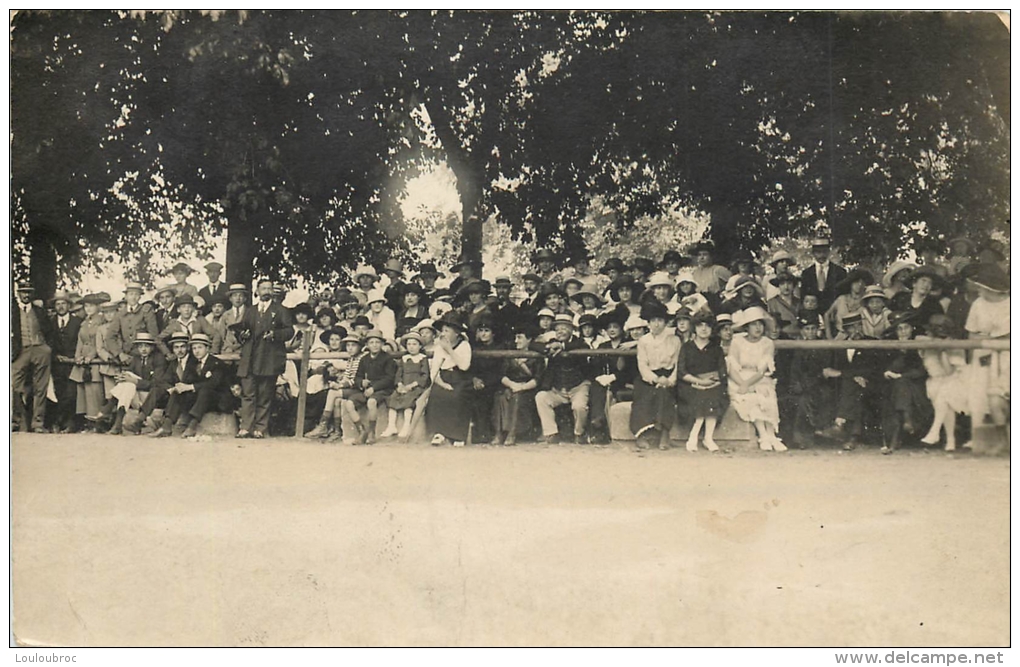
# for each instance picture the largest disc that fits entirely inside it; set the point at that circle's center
(264, 353)
(380, 372)
(148, 369)
(64, 340)
(207, 294)
(211, 373)
(809, 284)
(45, 328)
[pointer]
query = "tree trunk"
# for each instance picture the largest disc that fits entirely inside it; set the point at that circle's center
(42, 268)
(241, 245)
(470, 173)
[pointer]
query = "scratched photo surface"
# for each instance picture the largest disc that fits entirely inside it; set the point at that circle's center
(303, 151)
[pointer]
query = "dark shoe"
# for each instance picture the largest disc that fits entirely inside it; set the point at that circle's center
(370, 434)
(510, 441)
(192, 429)
(549, 440)
(39, 428)
(179, 428)
(580, 439)
(118, 423)
(834, 432)
(131, 428)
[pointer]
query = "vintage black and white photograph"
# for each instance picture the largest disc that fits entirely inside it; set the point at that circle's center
(507, 328)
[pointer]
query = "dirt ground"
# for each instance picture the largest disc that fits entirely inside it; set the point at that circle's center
(130, 541)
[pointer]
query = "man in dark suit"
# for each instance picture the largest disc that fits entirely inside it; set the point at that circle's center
(201, 389)
(821, 277)
(263, 333)
(172, 373)
(216, 287)
(505, 314)
(165, 310)
(65, 339)
(31, 333)
(860, 377)
(144, 367)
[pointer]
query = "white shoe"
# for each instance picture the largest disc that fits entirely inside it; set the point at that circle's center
(710, 445)
(930, 439)
(951, 446)
(438, 440)
(777, 445)
(389, 432)
(458, 443)
(764, 445)
(404, 434)
(692, 445)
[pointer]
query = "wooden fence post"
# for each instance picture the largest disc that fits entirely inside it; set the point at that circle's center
(302, 400)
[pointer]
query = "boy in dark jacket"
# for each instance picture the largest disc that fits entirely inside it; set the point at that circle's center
(373, 383)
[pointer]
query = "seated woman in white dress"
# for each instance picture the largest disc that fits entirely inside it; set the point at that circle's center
(750, 365)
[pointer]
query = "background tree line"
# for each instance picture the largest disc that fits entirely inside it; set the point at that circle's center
(296, 131)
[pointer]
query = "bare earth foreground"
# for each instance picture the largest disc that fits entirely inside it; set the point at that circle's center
(129, 541)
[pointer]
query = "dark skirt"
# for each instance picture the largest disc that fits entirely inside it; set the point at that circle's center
(653, 407)
(449, 412)
(699, 403)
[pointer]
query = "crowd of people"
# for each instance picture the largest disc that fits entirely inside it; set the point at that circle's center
(683, 340)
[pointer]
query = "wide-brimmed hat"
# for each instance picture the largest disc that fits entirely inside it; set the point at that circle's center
(427, 323)
(375, 295)
(745, 281)
(874, 292)
(586, 318)
(657, 279)
(237, 287)
(783, 277)
(326, 333)
(652, 309)
(217, 299)
(672, 256)
(644, 265)
(428, 269)
(303, 308)
(374, 333)
(533, 277)
(477, 287)
(144, 337)
(347, 300)
(181, 266)
(185, 299)
(214, 266)
(781, 255)
(465, 261)
(588, 289)
(164, 290)
(111, 305)
(853, 276)
(545, 312)
(704, 317)
(60, 295)
(625, 280)
(92, 300)
(138, 287)
(748, 315)
(991, 277)
(703, 246)
(685, 276)
(896, 268)
(925, 270)
(200, 338)
(365, 270)
(613, 264)
(361, 321)
(615, 315)
(742, 256)
(543, 254)
(563, 318)
(412, 288)
(352, 338)
(451, 319)
(635, 322)
(411, 335)
(971, 246)
(178, 337)
(438, 309)
(909, 316)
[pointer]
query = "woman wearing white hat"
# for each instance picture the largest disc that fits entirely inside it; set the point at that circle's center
(751, 364)
(380, 315)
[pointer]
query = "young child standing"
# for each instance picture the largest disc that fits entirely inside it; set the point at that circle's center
(411, 380)
(701, 369)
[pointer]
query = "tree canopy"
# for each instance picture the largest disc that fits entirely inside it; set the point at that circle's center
(296, 132)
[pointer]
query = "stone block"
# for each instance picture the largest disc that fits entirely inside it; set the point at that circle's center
(731, 428)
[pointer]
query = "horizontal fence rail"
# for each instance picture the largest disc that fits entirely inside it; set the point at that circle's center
(305, 357)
